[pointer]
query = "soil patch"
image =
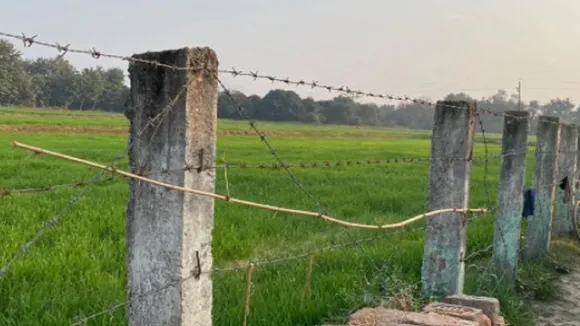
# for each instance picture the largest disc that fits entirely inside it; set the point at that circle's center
(34, 128)
(565, 311)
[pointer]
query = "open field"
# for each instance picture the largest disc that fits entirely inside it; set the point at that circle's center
(79, 267)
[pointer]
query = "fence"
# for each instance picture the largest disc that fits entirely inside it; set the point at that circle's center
(170, 214)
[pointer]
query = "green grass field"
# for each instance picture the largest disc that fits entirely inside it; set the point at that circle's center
(79, 267)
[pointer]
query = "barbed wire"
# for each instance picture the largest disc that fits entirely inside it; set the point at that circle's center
(339, 163)
(63, 50)
(11, 192)
(96, 54)
(322, 211)
(318, 164)
(263, 263)
(53, 221)
(232, 200)
(242, 112)
(323, 164)
(66, 113)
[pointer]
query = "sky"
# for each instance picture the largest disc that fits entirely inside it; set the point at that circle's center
(404, 47)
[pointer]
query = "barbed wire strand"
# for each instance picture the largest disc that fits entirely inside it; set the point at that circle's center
(239, 201)
(338, 163)
(52, 222)
(6, 192)
(96, 54)
(252, 124)
(322, 164)
(318, 164)
(63, 50)
(66, 113)
(271, 149)
(28, 41)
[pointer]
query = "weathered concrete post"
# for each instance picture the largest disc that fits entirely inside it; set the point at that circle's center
(443, 269)
(508, 217)
(540, 224)
(563, 223)
(173, 116)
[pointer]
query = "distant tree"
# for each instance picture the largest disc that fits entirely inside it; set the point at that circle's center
(15, 84)
(114, 91)
(281, 105)
(228, 105)
(91, 84)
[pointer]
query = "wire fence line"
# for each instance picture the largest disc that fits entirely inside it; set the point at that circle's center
(232, 200)
(143, 170)
(318, 164)
(116, 306)
(15, 191)
(51, 223)
(96, 54)
(278, 260)
(322, 211)
(64, 50)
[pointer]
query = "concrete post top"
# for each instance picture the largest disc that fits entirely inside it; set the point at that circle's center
(570, 125)
(548, 118)
(517, 113)
(186, 58)
(453, 103)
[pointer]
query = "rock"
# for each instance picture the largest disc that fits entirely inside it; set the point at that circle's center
(489, 306)
(462, 312)
(390, 317)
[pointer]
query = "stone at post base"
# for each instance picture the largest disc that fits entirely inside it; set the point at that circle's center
(458, 311)
(462, 310)
(390, 317)
(489, 306)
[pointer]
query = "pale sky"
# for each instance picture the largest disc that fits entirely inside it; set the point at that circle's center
(403, 47)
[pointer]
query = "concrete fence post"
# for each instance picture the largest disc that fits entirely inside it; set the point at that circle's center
(443, 269)
(563, 223)
(169, 233)
(540, 224)
(508, 217)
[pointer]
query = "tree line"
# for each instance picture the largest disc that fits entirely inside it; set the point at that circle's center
(54, 82)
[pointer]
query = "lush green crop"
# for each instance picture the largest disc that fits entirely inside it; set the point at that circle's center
(79, 267)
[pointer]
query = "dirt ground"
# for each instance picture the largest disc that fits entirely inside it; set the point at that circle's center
(566, 310)
(61, 129)
(118, 130)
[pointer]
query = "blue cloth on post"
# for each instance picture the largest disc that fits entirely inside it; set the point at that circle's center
(529, 200)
